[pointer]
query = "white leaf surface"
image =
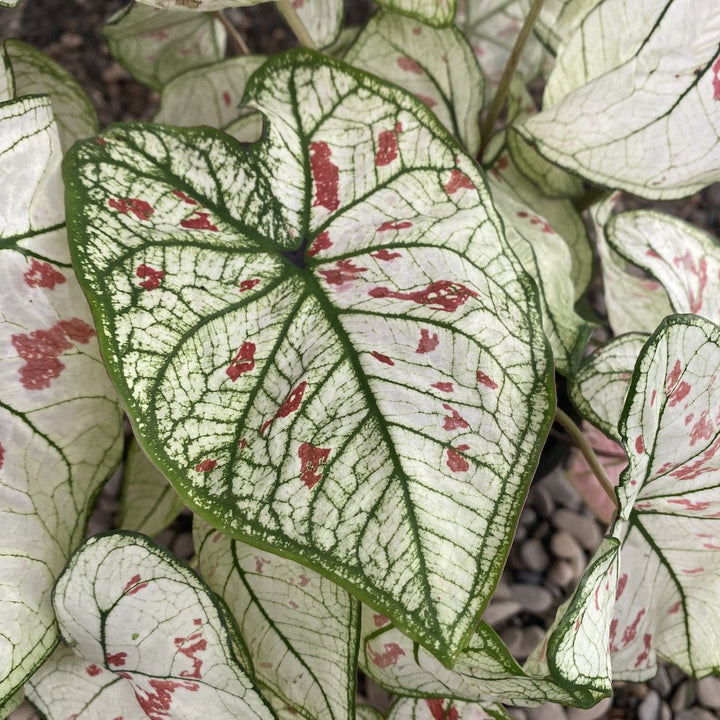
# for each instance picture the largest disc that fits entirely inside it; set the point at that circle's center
(438, 13)
(444, 709)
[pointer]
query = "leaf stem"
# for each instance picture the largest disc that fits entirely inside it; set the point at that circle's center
(296, 24)
(562, 418)
(236, 38)
(501, 93)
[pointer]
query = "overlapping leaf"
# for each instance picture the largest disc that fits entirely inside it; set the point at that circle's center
(437, 13)
(434, 64)
(323, 340)
(34, 73)
(559, 18)
(200, 5)
(62, 431)
(444, 709)
(322, 19)
(149, 637)
(156, 46)
(301, 629)
(634, 81)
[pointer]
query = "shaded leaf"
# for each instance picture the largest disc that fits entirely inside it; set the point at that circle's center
(329, 288)
(434, 64)
(61, 426)
(444, 709)
(202, 6)
(437, 13)
(322, 19)
(559, 19)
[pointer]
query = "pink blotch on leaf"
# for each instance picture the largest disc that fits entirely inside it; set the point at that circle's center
(673, 377)
(439, 295)
(622, 582)
(454, 420)
(693, 571)
(246, 285)
(322, 242)
(2, 456)
(458, 179)
(537, 220)
(675, 607)
(326, 176)
(643, 656)
(190, 647)
(139, 208)
(244, 361)
(303, 580)
(157, 704)
(200, 222)
(437, 709)
(484, 379)
(631, 630)
(93, 670)
(409, 65)
(197, 621)
(390, 225)
(639, 445)
(185, 198)
(386, 255)
(259, 563)
(387, 658)
(153, 276)
(455, 461)
(206, 465)
(226, 98)
(679, 394)
(380, 620)
(117, 659)
(426, 100)
(444, 386)
(311, 459)
(387, 148)
(700, 466)
(290, 405)
(382, 358)
(427, 342)
(690, 505)
(134, 585)
(716, 79)
(298, 3)
(77, 330)
(343, 272)
(703, 429)
(43, 275)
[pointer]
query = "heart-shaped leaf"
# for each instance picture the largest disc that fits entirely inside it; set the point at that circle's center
(437, 13)
(61, 426)
(434, 64)
(300, 628)
(444, 709)
(667, 52)
(323, 340)
(155, 47)
(139, 619)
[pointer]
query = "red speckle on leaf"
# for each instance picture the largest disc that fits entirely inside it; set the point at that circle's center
(675, 607)
(700, 466)
(134, 585)
(686, 263)
(326, 176)
(44, 275)
(382, 358)
(243, 362)
(243, 443)
(385, 659)
(184, 197)
(226, 98)
(622, 582)
(197, 621)
(387, 148)
(536, 220)
(482, 378)
(200, 222)
(702, 430)
(457, 180)
(653, 396)
(385, 255)
(290, 405)
(93, 670)
(303, 580)
(190, 647)
(416, 31)
(390, 225)
(380, 620)
(437, 710)
(157, 704)
(2, 456)
(427, 342)
(693, 571)
(259, 563)
(77, 330)
(690, 504)
(311, 458)
(409, 65)
(293, 605)
(680, 393)
(673, 377)
(100, 140)
(344, 271)
(643, 656)
(716, 79)
(246, 285)
(206, 465)
(443, 386)
(298, 3)
(455, 461)
(454, 420)
(613, 633)
(117, 659)
(631, 630)
(322, 242)
(139, 208)
(439, 295)
(426, 100)
(153, 276)
(639, 444)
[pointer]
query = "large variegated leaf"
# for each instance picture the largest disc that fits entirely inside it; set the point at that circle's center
(61, 425)
(323, 340)
(667, 52)
(569, 667)
(434, 64)
(437, 13)
(200, 6)
(156, 46)
(559, 19)
(208, 95)
(149, 637)
(149, 502)
(322, 19)
(669, 584)
(600, 387)
(300, 628)
(684, 259)
(34, 73)
(444, 709)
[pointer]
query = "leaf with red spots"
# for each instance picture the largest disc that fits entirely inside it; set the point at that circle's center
(297, 413)
(60, 419)
(436, 65)
(437, 13)
(299, 627)
(169, 646)
(446, 709)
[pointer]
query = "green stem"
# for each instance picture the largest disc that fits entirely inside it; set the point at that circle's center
(500, 95)
(562, 418)
(235, 37)
(296, 24)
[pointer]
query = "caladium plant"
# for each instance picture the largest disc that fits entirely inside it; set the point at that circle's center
(332, 304)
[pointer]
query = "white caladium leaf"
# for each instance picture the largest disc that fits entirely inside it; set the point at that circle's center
(61, 425)
(559, 18)
(149, 502)
(156, 46)
(434, 64)
(669, 499)
(12, 703)
(492, 27)
(445, 709)
(347, 298)
(139, 619)
(200, 6)
(680, 256)
(365, 712)
(322, 19)
(208, 95)
(34, 73)
(438, 13)
(636, 141)
(600, 387)
(634, 303)
(301, 629)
